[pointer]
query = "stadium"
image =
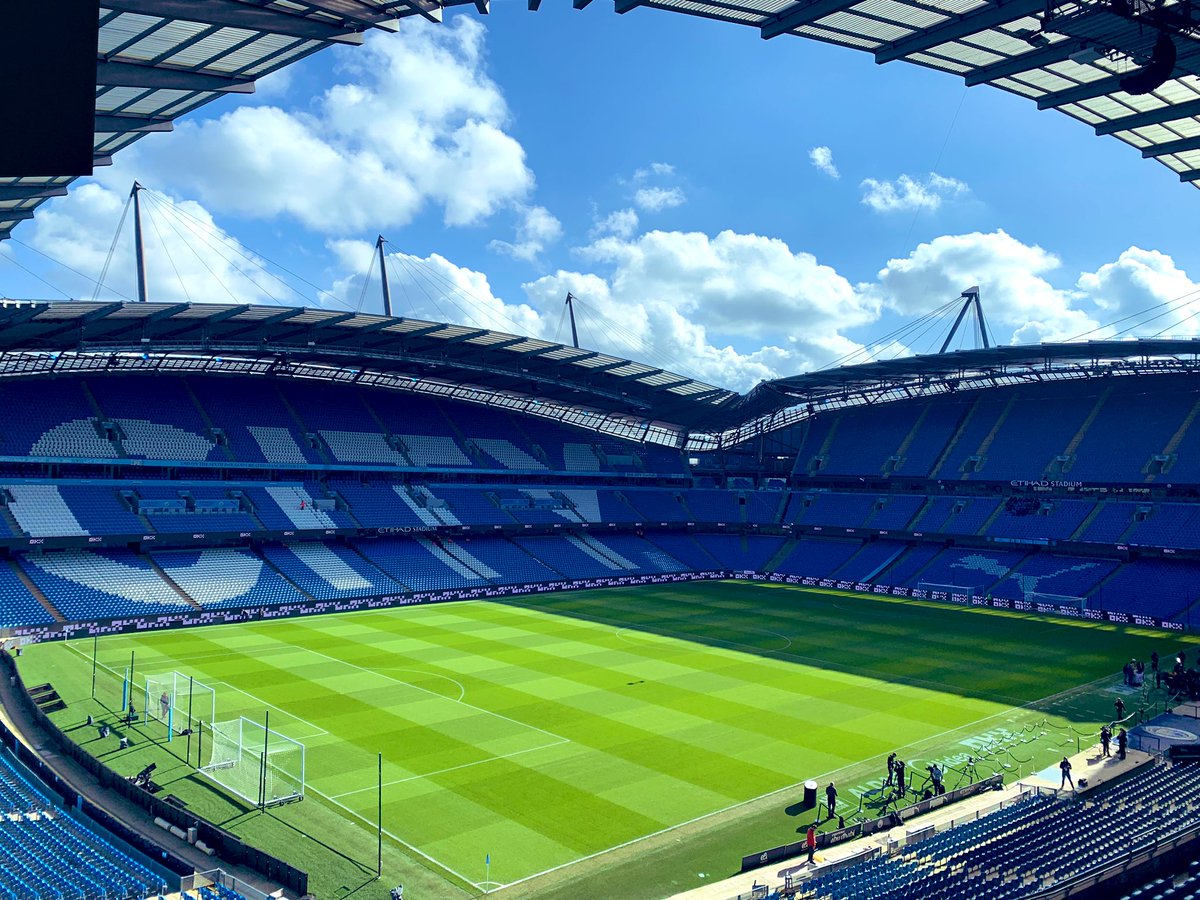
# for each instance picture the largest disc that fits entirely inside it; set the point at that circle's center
(297, 602)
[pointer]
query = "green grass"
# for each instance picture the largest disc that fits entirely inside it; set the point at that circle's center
(671, 723)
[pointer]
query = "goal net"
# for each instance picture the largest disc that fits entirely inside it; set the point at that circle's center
(178, 702)
(258, 764)
(937, 591)
(1056, 599)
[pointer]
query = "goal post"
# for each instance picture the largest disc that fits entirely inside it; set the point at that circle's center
(949, 590)
(1079, 603)
(256, 763)
(178, 701)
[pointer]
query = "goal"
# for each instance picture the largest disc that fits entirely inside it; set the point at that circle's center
(254, 762)
(949, 590)
(179, 702)
(1079, 603)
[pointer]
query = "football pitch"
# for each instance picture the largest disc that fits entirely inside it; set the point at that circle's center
(629, 741)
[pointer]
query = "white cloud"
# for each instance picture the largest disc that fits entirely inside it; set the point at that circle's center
(417, 121)
(621, 223)
(656, 199)
(1138, 282)
(908, 193)
(537, 229)
(732, 308)
(1019, 301)
(655, 168)
(822, 158)
(433, 288)
(188, 257)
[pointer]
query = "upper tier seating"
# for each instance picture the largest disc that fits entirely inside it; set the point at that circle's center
(51, 418)
(1059, 430)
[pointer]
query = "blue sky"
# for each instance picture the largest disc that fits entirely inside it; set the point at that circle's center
(730, 207)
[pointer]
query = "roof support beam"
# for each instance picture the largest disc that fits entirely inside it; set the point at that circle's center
(1023, 63)
(1153, 117)
(580, 4)
(959, 27)
(31, 191)
(1089, 91)
(15, 215)
(232, 14)
(1180, 146)
(1190, 175)
(535, 5)
(118, 73)
(623, 6)
(117, 124)
(800, 14)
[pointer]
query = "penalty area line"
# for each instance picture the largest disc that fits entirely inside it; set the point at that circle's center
(399, 840)
(478, 762)
(319, 731)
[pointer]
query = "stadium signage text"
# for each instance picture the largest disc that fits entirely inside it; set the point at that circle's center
(1017, 482)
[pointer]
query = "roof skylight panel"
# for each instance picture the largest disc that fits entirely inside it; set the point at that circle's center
(900, 13)
(1018, 87)
(1081, 74)
(1189, 158)
(998, 41)
(965, 54)
(254, 52)
(154, 102)
(1157, 134)
(720, 12)
(117, 97)
(298, 49)
(934, 61)
(859, 25)
(125, 28)
(215, 45)
(1047, 80)
(163, 41)
(1075, 111)
(838, 37)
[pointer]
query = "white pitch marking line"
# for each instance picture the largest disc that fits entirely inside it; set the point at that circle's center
(399, 840)
(488, 712)
(319, 731)
(462, 691)
(792, 787)
(478, 762)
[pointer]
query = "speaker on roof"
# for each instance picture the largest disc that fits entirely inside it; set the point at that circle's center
(1151, 76)
(48, 70)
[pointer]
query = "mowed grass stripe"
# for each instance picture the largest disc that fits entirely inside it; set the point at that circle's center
(675, 702)
(957, 649)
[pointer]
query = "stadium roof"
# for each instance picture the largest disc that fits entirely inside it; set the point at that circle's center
(161, 59)
(1070, 56)
(47, 338)
(784, 401)
(580, 386)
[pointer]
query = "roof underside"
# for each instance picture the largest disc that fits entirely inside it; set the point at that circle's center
(1066, 56)
(351, 346)
(584, 387)
(161, 59)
